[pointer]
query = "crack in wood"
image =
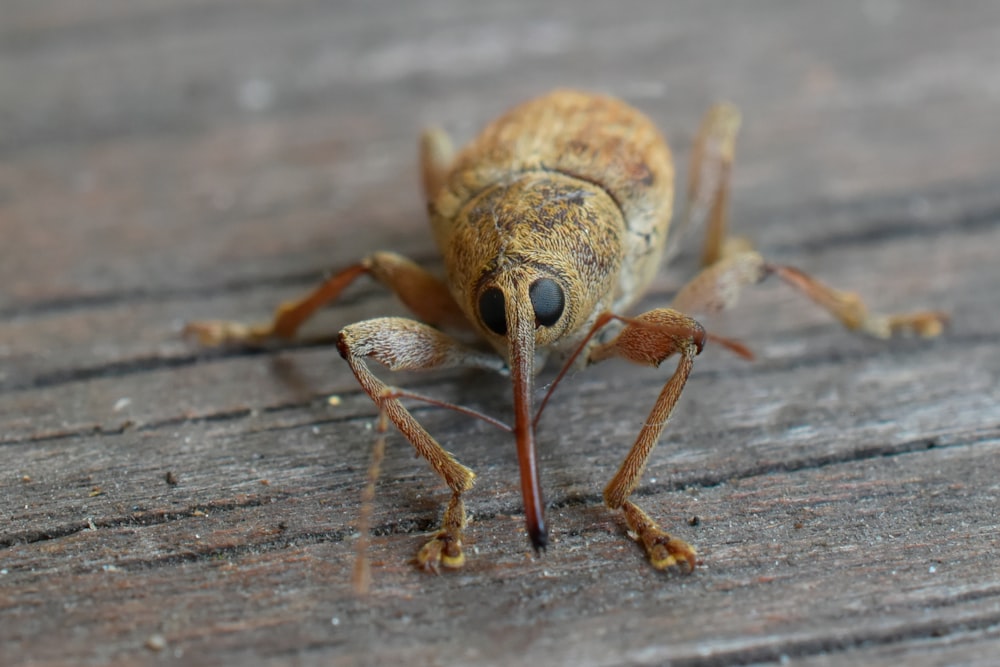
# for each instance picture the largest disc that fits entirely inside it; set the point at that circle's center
(142, 518)
(836, 643)
(892, 230)
(410, 526)
(138, 295)
(900, 351)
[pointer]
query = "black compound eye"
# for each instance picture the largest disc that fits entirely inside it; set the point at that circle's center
(492, 311)
(548, 300)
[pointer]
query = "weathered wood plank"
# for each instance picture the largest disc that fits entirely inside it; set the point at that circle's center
(903, 554)
(212, 157)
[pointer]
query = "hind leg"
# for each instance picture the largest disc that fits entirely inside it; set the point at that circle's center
(731, 262)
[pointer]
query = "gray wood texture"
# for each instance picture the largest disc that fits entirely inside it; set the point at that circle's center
(161, 162)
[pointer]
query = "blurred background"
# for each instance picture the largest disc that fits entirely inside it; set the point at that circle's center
(131, 124)
(167, 161)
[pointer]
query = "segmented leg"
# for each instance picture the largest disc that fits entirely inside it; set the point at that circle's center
(436, 155)
(445, 548)
(403, 344)
(718, 287)
(731, 262)
(425, 295)
(399, 344)
(852, 312)
(707, 198)
(650, 339)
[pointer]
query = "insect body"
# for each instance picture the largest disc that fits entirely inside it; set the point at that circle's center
(551, 224)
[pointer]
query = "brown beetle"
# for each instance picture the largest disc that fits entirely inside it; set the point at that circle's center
(552, 223)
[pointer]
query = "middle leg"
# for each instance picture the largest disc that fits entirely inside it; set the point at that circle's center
(425, 295)
(650, 339)
(403, 344)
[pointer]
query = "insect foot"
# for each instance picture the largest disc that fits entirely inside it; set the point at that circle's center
(445, 548)
(664, 550)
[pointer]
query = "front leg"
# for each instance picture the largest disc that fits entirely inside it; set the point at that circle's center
(403, 344)
(650, 339)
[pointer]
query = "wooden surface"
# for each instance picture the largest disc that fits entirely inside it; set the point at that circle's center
(167, 161)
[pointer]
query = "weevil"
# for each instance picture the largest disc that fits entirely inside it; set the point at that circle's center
(552, 223)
